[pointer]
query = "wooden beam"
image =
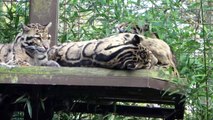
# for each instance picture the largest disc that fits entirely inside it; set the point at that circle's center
(145, 81)
(85, 76)
(43, 12)
(122, 110)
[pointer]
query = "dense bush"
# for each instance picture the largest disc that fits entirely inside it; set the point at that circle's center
(11, 15)
(185, 26)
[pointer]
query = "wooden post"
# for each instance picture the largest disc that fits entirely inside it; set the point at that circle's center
(43, 12)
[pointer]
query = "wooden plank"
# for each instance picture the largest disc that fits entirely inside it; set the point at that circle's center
(121, 110)
(85, 77)
(43, 12)
(122, 94)
(86, 71)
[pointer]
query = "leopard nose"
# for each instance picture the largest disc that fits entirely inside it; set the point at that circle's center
(46, 47)
(41, 49)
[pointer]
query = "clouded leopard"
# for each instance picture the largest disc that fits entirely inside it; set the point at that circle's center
(162, 54)
(29, 47)
(122, 51)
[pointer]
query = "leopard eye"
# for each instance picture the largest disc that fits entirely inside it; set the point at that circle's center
(30, 43)
(29, 38)
(38, 41)
(36, 36)
(49, 36)
(39, 38)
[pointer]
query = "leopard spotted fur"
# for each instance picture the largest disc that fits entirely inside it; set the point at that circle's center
(34, 36)
(122, 51)
(161, 52)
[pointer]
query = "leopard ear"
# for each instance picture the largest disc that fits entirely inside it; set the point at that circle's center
(136, 40)
(24, 27)
(48, 26)
(146, 27)
(154, 35)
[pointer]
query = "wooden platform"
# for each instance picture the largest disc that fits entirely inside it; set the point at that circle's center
(88, 90)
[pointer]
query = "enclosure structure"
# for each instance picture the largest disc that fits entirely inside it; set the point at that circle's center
(96, 91)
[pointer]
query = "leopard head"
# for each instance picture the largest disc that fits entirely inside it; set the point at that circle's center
(36, 43)
(37, 35)
(141, 59)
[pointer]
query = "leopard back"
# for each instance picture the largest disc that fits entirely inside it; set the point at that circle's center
(120, 51)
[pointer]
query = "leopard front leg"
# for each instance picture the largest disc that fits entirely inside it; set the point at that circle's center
(51, 63)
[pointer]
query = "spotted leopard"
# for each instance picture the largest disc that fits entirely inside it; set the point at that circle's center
(33, 35)
(122, 51)
(161, 52)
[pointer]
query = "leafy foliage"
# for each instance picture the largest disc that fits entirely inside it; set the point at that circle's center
(12, 14)
(185, 26)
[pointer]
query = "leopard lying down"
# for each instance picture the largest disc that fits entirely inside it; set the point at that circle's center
(122, 51)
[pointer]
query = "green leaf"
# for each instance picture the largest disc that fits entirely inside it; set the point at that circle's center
(174, 92)
(42, 104)
(20, 99)
(29, 108)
